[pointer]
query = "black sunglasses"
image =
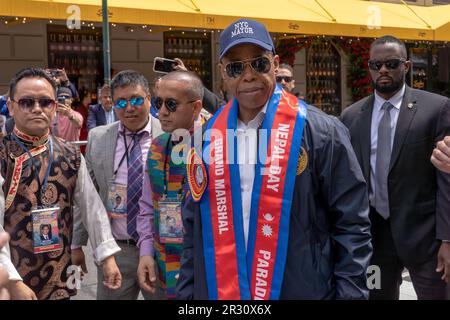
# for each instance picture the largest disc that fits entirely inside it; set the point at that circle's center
(391, 64)
(286, 79)
(29, 103)
(236, 68)
(170, 103)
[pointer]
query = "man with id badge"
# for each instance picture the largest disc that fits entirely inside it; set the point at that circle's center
(115, 155)
(179, 103)
(44, 178)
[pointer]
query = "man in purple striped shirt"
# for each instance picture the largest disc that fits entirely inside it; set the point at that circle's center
(115, 156)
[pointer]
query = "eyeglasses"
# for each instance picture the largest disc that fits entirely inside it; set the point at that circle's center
(170, 103)
(29, 103)
(286, 79)
(134, 102)
(391, 64)
(236, 68)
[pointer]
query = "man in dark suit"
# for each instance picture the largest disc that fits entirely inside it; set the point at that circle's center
(321, 249)
(102, 113)
(393, 133)
(46, 233)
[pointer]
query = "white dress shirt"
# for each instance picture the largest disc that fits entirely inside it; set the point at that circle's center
(109, 115)
(247, 140)
(377, 114)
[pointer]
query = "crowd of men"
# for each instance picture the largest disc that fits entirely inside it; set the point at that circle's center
(269, 199)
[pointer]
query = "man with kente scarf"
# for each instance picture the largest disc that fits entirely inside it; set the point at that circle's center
(45, 177)
(178, 100)
(278, 204)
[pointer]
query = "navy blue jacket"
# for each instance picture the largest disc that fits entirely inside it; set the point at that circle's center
(329, 235)
(97, 116)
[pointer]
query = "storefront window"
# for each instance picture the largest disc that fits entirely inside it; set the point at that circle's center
(80, 53)
(194, 49)
(323, 77)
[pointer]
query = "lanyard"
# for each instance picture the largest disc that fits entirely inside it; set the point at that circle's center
(125, 155)
(47, 174)
(180, 191)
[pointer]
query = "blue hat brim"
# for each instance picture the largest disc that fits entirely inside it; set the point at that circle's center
(248, 40)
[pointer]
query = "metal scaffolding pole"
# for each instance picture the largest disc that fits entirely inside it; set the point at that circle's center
(106, 50)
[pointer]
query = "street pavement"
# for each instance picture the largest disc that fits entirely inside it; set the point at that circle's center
(88, 289)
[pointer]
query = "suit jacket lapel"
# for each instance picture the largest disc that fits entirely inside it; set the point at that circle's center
(407, 112)
(102, 115)
(110, 150)
(365, 136)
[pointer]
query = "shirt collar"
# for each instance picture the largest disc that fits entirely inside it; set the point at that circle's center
(396, 99)
(256, 121)
(147, 129)
(31, 140)
(105, 109)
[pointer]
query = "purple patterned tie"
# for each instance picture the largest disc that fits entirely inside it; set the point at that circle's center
(134, 189)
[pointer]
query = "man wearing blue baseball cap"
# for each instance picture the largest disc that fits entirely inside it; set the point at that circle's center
(278, 206)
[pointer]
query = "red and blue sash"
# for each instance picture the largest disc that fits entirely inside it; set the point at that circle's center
(231, 271)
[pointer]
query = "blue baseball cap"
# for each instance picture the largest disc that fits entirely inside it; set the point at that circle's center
(245, 31)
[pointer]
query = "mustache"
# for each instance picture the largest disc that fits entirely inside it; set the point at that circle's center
(384, 77)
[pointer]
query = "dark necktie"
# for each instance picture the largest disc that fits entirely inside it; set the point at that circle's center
(134, 187)
(383, 160)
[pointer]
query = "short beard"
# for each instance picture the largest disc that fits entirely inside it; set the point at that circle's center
(393, 87)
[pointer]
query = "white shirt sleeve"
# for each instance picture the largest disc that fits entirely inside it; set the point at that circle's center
(5, 257)
(94, 216)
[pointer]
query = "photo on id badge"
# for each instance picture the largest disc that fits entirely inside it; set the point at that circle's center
(45, 230)
(117, 201)
(170, 223)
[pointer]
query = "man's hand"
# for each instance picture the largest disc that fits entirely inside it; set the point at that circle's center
(441, 155)
(20, 291)
(112, 279)
(4, 277)
(180, 65)
(443, 264)
(78, 259)
(146, 274)
(64, 110)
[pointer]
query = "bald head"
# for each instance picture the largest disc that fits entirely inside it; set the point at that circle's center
(193, 84)
(178, 98)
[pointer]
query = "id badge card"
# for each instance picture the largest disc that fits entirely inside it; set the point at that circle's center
(117, 201)
(45, 230)
(170, 223)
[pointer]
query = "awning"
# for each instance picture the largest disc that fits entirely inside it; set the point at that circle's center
(441, 18)
(356, 18)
